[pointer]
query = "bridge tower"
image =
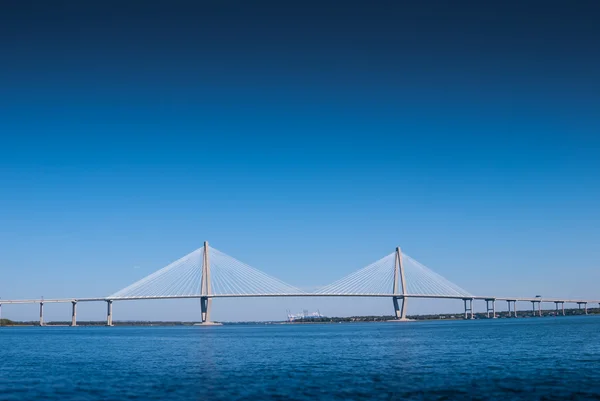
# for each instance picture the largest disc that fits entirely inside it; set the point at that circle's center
(399, 281)
(205, 290)
(42, 323)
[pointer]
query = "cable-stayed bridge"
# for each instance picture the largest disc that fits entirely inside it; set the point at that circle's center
(208, 273)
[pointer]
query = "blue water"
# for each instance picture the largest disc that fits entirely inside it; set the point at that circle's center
(518, 359)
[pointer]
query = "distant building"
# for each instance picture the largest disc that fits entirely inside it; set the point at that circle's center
(304, 315)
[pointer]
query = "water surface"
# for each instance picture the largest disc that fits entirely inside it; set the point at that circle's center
(505, 359)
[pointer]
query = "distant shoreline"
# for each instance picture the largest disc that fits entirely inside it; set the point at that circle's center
(325, 320)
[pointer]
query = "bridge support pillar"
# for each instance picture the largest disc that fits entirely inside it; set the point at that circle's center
(205, 304)
(73, 313)
(557, 309)
(109, 316)
(469, 308)
(492, 309)
(584, 305)
(514, 304)
(399, 310)
(539, 310)
(399, 286)
(205, 288)
(42, 314)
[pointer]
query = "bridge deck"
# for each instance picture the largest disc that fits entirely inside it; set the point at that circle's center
(422, 296)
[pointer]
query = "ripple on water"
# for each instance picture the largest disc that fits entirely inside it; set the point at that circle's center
(519, 359)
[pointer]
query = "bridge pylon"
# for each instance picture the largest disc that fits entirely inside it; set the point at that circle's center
(399, 281)
(205, 287)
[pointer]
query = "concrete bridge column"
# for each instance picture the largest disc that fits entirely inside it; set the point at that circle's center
(539, 307)
(514, 304)
(399, 310)
(74, 313)
(399, 286)
(109, 317)
(469, 308)
(563, 307)
(205, 287)
(492, 309)
(42, 314)
(205, 307)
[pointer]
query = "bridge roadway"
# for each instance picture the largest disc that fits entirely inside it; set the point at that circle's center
(468, 302)
(422, 296)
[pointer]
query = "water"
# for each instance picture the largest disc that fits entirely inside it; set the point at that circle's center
(518, 359)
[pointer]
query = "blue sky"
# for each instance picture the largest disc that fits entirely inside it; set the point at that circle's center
(307, 142)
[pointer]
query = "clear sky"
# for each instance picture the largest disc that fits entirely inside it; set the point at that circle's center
(305, 139)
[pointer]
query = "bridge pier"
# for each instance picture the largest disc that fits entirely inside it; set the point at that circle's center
(42, 314)
(205, 306)
(399, 311)
(514, 303)
(539, 304)
(469, 308)
(399, 286)
(584, 306)
(492, 309)
(205, 289)
(73, 313)
(109, 317)
(563, 307)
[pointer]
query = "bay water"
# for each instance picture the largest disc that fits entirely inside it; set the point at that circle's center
(550, 358)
